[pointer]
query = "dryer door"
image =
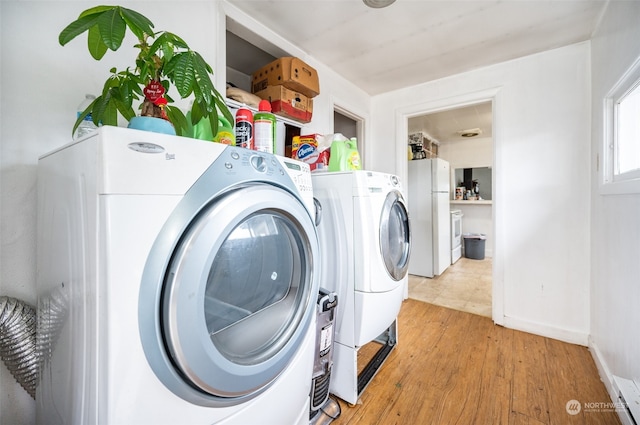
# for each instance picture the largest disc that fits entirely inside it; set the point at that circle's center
(395, 236)
(237, 296)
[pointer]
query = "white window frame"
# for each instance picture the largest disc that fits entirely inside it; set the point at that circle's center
(612, 181)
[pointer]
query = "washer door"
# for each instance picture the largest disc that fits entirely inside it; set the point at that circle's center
(395, 236)
(237, 296)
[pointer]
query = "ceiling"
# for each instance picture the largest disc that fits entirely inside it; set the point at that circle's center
(415, 41)
(448, 126)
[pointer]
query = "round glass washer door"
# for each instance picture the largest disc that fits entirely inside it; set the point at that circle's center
(395, 236)
(237, 299)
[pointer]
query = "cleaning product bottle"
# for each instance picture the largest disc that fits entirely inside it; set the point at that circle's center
(244, 128)
(344, 155)
(225, 132)
(264, 128)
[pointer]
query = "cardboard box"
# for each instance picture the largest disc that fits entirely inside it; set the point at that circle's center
(290, 72)
(288, 103)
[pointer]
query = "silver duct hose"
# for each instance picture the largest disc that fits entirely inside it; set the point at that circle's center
(18, 342)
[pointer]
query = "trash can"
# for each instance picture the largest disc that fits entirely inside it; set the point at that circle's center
(474, 245)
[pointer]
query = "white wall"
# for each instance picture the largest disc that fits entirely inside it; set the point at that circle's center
(615, 227)
(42, 84)
(542, 264)
(541, 194)
(468, 153)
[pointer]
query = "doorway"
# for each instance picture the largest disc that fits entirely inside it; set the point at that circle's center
(350, 125)
(412, 119)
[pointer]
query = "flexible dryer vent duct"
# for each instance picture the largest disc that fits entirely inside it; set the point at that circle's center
(18, 342)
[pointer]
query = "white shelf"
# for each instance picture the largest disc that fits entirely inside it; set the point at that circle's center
(237, 105)
(472, 202)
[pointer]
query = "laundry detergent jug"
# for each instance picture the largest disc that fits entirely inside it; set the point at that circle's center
(344, 155)
(202, 131)
(225, 134)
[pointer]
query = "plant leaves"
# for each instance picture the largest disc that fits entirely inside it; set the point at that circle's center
(176, 40)
(138, 24)
(201, 72)
(196, 113)
(95, 10)
(222, 106)
(104, 108)
(82, 116)
(162, 47)
(96, 46)
(99, 106)
(110, 116)
(178, 120)
(76, 28)
(181, 67)
(125, 109)
(204, 63)
(112, 28)
(213, 120)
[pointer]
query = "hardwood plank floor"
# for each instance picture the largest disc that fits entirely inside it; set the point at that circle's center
(452, 367)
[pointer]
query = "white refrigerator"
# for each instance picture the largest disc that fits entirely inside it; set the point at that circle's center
(428, 198)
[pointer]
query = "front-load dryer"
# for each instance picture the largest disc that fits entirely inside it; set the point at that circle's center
(365, 242)
(177, 283)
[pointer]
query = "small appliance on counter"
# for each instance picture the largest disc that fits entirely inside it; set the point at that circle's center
(418, 151)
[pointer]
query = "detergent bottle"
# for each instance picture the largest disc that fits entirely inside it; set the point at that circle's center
(225, 132)
(344, 155)
(202, 131)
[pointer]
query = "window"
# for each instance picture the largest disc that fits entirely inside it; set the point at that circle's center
(622, 134)
(627, 134)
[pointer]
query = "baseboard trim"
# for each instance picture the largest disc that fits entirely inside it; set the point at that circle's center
(572, 337)
(607, 378)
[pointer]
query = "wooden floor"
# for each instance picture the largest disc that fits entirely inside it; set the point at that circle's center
(452, 367)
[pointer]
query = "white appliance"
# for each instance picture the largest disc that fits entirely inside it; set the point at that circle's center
(428, 198)
(176, 283)
(456, 235)
(365, 242)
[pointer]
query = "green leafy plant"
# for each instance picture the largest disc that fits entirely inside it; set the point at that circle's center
(164, 59)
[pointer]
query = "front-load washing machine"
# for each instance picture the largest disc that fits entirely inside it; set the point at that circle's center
(177, 283)
(365, 242)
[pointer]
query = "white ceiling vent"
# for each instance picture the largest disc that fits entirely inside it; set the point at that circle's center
(378, 4)
(472, 132)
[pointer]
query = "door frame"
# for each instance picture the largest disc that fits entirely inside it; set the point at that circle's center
(361, 119)
(494, 96)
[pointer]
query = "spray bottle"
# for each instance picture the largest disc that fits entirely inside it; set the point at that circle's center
(264, 128)
(244, 128)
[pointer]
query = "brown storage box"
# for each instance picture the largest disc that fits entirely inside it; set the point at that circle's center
(290, 72)
(288, 103)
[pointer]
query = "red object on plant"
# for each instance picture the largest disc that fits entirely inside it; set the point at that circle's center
(161, 101)
(154, 91)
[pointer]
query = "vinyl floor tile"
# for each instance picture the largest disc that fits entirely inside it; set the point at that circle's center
(464, 286)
